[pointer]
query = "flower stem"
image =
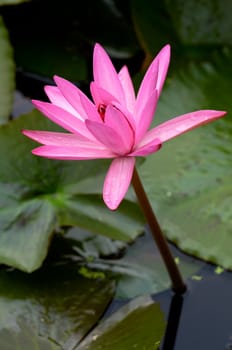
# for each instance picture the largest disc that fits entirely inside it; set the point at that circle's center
(178, 285)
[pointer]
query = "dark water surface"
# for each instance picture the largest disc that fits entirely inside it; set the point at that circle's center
(202, 318)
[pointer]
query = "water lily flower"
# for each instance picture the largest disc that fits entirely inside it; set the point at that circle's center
(115, 125)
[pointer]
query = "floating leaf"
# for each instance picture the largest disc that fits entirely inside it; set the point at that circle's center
(25, 338)
(202, 22)
(137, 268)
(7, 73)
(39, 195)
(153, 25)
(53, 308)
(26, 230)
(184, 25)
(139, 324)
(94, 245)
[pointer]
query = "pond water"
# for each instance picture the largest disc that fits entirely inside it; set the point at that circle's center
(202, 318)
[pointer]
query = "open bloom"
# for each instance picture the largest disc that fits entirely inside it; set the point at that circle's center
(116, 125)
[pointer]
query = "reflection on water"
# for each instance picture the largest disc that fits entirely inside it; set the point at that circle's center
(173, 322)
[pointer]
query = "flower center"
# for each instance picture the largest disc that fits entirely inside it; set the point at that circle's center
(102, 110)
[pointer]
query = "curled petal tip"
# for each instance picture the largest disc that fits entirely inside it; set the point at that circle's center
(36, 102)
(213, 113)
(166, 49)
(56, 77)
(98, 46)
(25, 132)
(110, 205)
(39, 104)
(98, 49)
(58, 80)
(34, 152)
(117, 181)
(111, 202)
(222, 113)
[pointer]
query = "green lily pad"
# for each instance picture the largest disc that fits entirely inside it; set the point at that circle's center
(189, 180)
(202, 22)
(7, 73)
(153, 25)
(25, 338)
(40, 195)
(137, 268)
(195, 31)
(140, 324)
(25, 231)
(93, 246)
(53, 308)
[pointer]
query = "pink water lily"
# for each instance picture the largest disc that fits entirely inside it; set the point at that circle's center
(116, 125)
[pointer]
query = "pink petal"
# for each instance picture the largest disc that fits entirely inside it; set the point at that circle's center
(180, 125)
(72, 153)
(115, 119)
(108, 136)
(155, 76)
(117, 181)
(145, 116)
(58, 99)
(71, 93)
(100, 95)
(51, 138)
(164, 59)
(105, 74)
(148, 85)
(63, 118)
(130, 118)
(150, 147)
(128, 88)
(90, 108)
